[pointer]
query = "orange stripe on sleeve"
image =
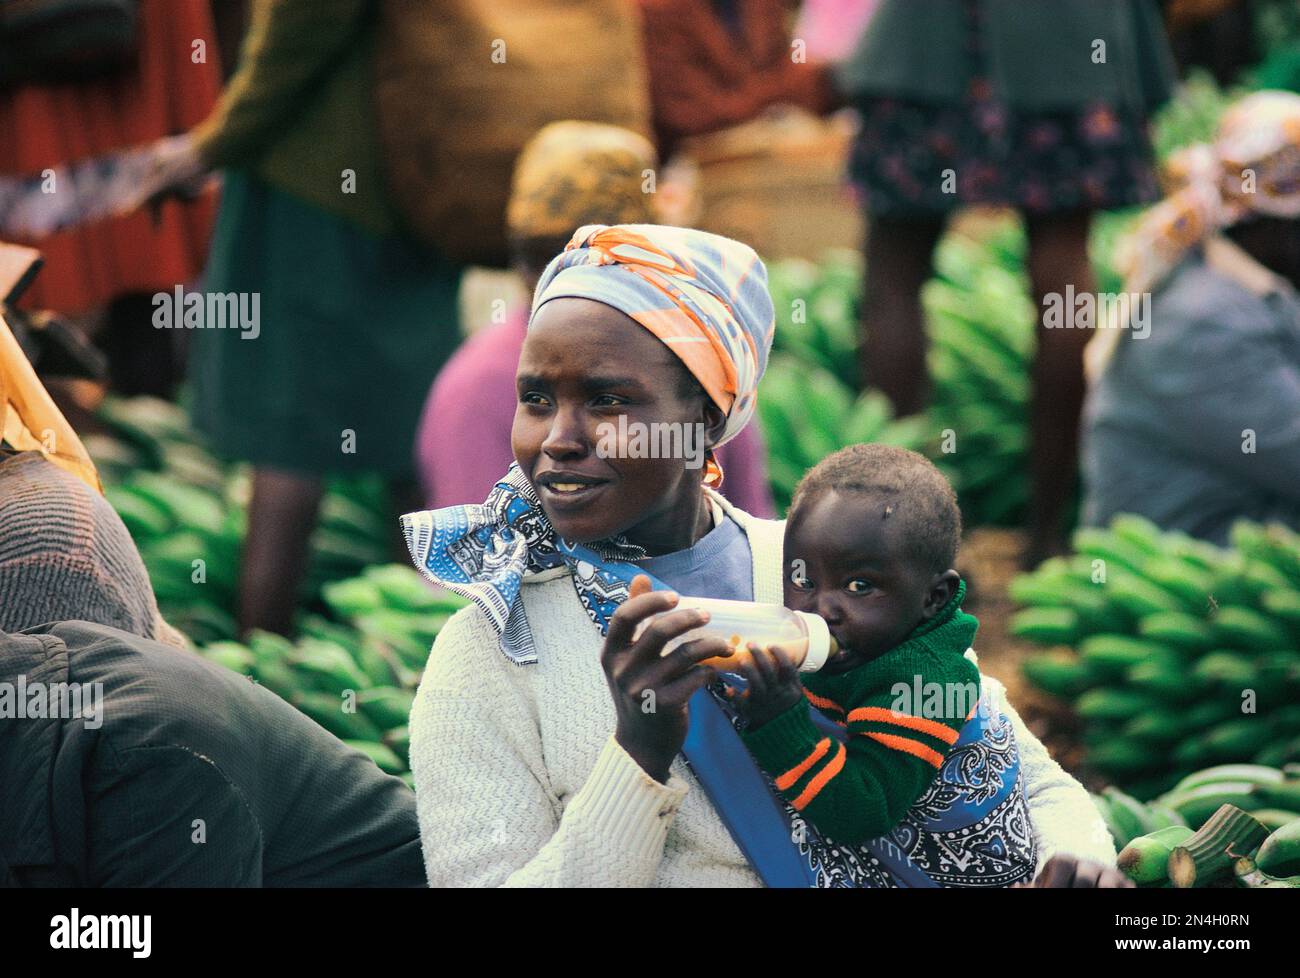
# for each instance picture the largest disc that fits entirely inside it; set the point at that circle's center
(824, 775)
(800, 769)
(920, 724)
(908, 746)
(821, 702)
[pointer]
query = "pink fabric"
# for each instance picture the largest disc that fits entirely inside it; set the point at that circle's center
(831, 28)
(463, 445)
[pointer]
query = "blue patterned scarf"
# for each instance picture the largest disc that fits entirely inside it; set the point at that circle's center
(484, 551)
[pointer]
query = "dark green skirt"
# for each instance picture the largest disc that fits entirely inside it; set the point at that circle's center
(351, 331)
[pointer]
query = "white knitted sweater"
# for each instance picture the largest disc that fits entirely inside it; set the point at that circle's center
(519, 781)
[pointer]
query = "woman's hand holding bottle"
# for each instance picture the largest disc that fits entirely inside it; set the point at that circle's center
(651, 690)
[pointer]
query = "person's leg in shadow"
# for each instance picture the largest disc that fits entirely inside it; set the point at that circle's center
(1058, 259)
(281, 517)
(899, 255)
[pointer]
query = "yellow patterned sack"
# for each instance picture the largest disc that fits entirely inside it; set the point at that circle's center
(29, 419)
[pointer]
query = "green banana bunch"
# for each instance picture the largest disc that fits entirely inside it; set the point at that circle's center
(816, 308)
(1175, 654)
(981, 327)
(1246, 801)
(807, 414)
(354, 672)
(355, 675)
(187, 512)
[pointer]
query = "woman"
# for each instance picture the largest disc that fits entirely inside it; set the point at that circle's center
(544, 755)
(348, 305)
(569, 174)
(1040, 105)
(1192, 420)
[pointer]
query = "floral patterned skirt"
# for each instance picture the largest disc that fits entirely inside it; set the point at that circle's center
(917, 159)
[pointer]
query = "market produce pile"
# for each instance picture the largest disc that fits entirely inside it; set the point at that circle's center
(1228, 825)
(1174, 653)
(187, 512)
(355, 673)
(981, 333)
(367, 624)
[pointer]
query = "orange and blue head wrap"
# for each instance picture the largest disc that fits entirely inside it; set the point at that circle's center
(702, 295)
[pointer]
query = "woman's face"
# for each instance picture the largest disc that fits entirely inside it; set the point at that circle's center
(583, 365)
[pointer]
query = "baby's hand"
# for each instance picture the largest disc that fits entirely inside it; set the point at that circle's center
(772, 673)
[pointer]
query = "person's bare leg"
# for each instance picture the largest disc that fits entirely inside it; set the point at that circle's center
(1058, 258)
(892, 354)
(281, 517)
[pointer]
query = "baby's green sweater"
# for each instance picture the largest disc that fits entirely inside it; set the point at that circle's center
(903, 712)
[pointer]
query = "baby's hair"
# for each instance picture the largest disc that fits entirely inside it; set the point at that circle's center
(912, 490)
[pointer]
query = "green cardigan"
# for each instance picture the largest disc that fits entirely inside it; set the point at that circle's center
(1038, 54)
(862, 790)
(298, 112)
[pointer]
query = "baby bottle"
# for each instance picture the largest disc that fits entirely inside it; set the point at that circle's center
(745, 622)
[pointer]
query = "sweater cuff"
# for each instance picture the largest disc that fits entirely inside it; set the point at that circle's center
(625, 807)
(785, 740)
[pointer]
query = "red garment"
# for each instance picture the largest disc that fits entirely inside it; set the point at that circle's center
(463, 444)
(703, 78)
(165, 93)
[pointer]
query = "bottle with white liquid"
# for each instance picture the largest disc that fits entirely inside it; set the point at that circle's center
(742, 623)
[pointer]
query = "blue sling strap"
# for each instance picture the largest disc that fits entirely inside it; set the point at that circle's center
(731, 778)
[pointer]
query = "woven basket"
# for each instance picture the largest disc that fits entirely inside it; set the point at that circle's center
(461, 86)
(778, 184)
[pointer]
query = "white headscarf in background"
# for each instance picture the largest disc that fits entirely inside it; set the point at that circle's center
(1251, 169)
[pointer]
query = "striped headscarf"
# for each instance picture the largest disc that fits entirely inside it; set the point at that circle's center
(704, 296)
(1252, 169)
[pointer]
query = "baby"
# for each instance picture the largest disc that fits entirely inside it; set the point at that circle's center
(870, 541)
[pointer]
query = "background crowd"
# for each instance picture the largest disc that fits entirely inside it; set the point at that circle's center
(392, 195)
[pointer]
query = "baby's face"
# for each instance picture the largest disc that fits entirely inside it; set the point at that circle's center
(844, 561)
